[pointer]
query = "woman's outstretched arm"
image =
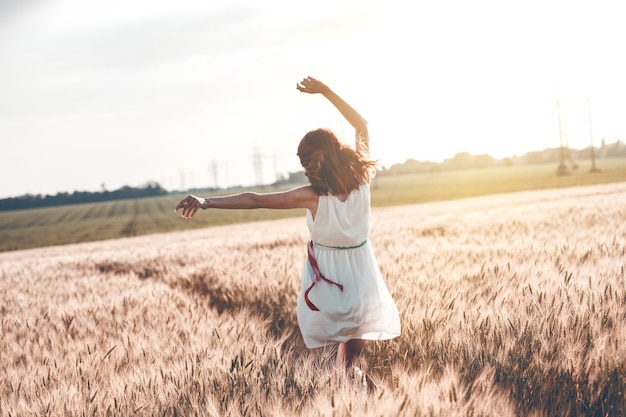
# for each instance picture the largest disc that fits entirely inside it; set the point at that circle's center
(312, 86)
(300, 197)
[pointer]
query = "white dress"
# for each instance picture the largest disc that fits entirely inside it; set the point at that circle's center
(365, 308)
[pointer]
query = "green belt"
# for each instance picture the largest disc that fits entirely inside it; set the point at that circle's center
(341, 247)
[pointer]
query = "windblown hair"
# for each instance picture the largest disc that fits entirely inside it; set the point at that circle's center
(332, 167)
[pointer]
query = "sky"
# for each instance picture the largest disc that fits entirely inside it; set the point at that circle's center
(101, 94)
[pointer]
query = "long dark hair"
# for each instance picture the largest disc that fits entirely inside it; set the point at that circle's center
(332, 167)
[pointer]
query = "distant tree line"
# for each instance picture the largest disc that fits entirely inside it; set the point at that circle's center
(77, 197)
(297, 177)
(465, 160)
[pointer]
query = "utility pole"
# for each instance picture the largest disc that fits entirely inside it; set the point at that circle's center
(591, 148)
(213, 169)
(562, 169)
(257, 162)
(182, 180)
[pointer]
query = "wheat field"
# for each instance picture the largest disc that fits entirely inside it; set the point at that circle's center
(511, 305)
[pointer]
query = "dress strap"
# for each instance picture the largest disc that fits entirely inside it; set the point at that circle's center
(317, 277)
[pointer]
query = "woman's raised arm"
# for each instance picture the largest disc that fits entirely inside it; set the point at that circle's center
(312, 86)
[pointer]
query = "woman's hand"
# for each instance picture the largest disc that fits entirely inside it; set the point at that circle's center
(190, 205)
(312, 86)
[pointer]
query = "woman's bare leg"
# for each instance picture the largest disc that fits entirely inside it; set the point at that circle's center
(348, 352)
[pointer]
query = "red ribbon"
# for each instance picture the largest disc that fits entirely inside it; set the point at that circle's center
(317, 277)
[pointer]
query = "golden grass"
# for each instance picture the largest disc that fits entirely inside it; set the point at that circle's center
(511, 305)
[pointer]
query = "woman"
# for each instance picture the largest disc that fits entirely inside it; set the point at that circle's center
(343, 298)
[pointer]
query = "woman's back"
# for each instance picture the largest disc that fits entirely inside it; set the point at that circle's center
(341, 223)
